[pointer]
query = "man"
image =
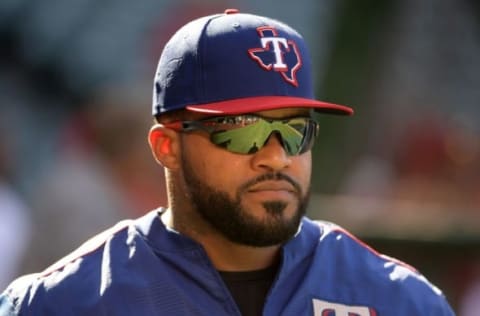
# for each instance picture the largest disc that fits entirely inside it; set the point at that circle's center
(233, 100)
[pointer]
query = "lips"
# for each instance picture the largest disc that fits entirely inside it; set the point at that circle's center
(272, 186)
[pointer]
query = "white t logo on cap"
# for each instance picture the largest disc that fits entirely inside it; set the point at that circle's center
(279, 47)
(277, 50)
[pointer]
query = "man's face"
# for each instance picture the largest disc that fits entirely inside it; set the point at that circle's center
(256, 199)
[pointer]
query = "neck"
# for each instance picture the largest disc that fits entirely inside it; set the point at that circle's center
(224, 254)
(228, 256)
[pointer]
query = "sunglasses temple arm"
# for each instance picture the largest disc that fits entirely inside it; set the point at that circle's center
(187, 126)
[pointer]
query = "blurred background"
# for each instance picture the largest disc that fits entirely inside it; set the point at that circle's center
(403, 174)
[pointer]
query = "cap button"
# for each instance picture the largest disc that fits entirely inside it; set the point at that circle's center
(231, 11)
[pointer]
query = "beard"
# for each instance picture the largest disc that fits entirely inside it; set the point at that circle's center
(233, 221)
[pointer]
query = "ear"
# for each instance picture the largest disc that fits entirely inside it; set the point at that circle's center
(164, 143)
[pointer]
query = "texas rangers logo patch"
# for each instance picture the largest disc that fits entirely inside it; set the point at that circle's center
(324, 308)
(277, 54)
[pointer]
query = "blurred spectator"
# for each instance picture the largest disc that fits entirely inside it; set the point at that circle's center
(431, 162)
(98, 177)
(424, 171)
(14, 221)
(470, 303)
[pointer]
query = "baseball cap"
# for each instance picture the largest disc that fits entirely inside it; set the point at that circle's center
(234, 63)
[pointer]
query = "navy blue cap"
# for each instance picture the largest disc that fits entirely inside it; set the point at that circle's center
(233, 63)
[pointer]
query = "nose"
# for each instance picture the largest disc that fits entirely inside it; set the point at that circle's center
(272, 156)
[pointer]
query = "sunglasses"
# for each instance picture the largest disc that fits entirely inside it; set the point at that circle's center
(248, 133)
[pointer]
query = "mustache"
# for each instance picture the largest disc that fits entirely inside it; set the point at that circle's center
(273, 176)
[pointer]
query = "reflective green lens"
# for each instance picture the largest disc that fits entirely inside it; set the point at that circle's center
(246, 134)
(296, 135)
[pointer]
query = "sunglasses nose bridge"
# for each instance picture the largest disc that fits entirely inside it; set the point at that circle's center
(275, 132)
(273, 154)
(277, 136)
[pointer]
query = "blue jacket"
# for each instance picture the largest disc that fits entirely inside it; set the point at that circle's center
(139, 267)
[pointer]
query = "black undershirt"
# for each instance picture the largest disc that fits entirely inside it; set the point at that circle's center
(250, 288)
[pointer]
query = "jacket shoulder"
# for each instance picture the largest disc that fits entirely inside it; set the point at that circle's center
(76, 275)
(358, 265)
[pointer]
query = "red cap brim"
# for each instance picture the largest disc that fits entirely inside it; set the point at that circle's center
(256, 104)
